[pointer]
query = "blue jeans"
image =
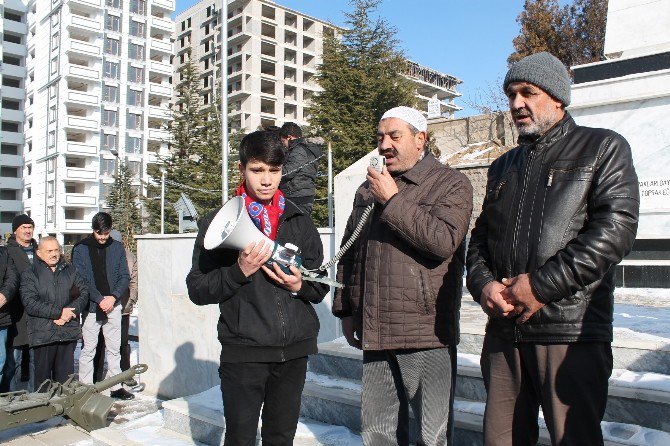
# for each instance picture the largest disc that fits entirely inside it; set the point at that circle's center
(4, 332)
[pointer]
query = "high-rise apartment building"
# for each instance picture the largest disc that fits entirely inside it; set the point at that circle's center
(273, 52)
(98, 89)
(13, 52)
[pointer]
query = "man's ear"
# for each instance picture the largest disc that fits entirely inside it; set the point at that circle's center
(420, 139)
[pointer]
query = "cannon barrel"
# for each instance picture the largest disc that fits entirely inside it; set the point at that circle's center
(120, 378)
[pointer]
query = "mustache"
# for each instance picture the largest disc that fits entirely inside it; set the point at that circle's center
(521, 113)
(390, 152)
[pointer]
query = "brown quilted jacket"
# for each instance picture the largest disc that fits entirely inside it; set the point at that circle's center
(404, 275)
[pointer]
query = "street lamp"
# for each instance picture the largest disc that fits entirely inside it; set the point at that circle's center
(224, 101)
(162, 199)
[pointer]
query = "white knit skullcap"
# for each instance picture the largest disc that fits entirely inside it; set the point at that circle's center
(409, 115)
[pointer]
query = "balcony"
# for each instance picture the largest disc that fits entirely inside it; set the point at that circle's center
(11, 205)
(13, 137)
(160, 67)
(84, 48)
(13, 93)
(88, 4)
(165, 4)
(160, 90)
(12, 115)
(78, 225)
(80, 200)
(164, 46)
(77, 148)
(81, 174)
(85, 24)
(159, 135)
(82, 98)
(76, 122)
(83, 72)
(165, 25)
(13, 183)
(15, 27)
(13, 70)
(15, 49)
(159, 112)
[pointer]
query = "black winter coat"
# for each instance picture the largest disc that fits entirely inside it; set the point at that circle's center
(45, 293)
(565, 210)
(19, 317)
(299, 170)
(260, 321)
(9, 284)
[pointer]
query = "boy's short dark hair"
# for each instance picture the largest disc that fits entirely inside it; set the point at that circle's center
(102, 222)
(264, 146)
(290, 129)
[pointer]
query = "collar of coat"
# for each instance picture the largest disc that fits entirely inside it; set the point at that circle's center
(556, 132)
(12, 242)
(418, 173)
(60, 266)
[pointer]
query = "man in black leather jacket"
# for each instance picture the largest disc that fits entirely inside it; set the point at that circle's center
(561, 210)
(298, 182)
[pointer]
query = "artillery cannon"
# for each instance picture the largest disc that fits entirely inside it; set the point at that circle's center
(81, 403)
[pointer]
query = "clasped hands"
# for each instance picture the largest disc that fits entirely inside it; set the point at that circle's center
(254, 257)
(510, 298)
(66, 316)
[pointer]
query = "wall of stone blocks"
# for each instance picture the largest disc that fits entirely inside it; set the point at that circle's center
(477, 176)
(450, 135)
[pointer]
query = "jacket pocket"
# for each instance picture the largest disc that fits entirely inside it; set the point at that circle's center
(427, 304)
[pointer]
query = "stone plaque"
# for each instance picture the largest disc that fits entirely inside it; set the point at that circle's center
(434, 109)
(655, 193)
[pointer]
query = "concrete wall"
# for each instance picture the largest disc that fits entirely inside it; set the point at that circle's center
(178, 339)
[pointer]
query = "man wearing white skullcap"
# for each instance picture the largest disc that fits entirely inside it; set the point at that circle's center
(403, 280)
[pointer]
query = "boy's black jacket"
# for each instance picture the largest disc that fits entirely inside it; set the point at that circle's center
(260, 321)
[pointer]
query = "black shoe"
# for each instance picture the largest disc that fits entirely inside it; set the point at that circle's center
(130, 382)
(121, 394)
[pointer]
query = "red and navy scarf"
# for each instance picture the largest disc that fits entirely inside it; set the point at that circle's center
(265, 217)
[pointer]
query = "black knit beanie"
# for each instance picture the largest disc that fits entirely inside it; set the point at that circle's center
(21, 219)
(545, 71)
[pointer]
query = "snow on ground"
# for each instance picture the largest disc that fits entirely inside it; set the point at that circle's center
(327, 381)
(638, 380)
(643, 319)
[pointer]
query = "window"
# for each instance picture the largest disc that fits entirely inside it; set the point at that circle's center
(50, 214)
(9, 172)
(52, 91)
(7, 194)
(11, 82)
(109, 118)
(51, 165)
(134, 121)
(108, 141)
(107, 166)
(29, 192)
(114, 3)
(55, 41)
(110, 70)
(110, 93)
(52, 113)
(135, 74)
(133, 145)
(54, 65)
(135, 51)
(135, 168)
(11, 38)
(52, 139)
(105, 189)
(7, 217)
(10, 126)
(9, 149)
(112, 46)
(50, 188)
(137, 29)
(113, 23)
(55, 19)
(138, 7)
(135, 97)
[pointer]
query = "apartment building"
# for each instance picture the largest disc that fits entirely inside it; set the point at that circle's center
(98, 87)
(273, 53)
(13, 52)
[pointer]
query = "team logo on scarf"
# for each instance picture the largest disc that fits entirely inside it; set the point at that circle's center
(266, 218)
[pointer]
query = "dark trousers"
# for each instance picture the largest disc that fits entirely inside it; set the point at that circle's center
(54, 361)
(275, 386)
(99, 358)
(569, 381)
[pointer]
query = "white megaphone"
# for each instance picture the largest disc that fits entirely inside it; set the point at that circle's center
(232, 228)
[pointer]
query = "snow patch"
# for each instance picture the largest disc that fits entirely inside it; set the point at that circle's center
(333, 383)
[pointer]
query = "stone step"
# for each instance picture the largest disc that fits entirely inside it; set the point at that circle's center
(200, 418)
(634, 398)
(339, 403)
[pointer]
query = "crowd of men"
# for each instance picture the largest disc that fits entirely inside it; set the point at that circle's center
(48, 304)
(560, 211)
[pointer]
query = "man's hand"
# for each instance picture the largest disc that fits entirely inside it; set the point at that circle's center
(382, 185)
(520, 294)
(3, 300)
(60, 322)
(291, 282)
(353, 338)
(67, 314)
(492, 301)
(253, 257)
(107, 303)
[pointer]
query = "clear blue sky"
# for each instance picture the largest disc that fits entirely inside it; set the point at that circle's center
(469, 39)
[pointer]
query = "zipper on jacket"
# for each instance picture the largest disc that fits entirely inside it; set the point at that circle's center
(498, 188)
(522, 199)
(550, 179)
(280, 312)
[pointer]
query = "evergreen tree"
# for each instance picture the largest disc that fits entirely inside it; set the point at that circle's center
(574, 33)
(362, 77)
(122, 203)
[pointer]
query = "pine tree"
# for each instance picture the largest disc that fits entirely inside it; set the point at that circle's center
(122, 202)
(362, 77)
(574, 33)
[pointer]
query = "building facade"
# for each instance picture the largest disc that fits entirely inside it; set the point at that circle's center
(273, 53)
(13, 52)
(98, 89)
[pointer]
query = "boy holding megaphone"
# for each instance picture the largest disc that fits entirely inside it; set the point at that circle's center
(267, 325)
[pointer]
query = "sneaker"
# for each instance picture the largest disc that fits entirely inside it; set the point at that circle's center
(121, 394)
(130, 382)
